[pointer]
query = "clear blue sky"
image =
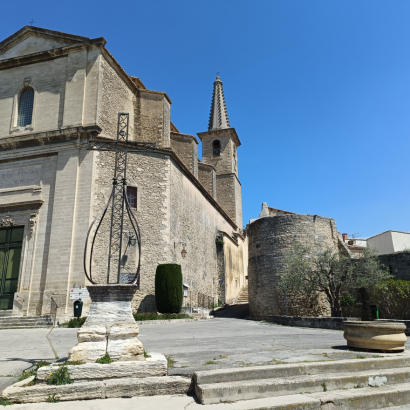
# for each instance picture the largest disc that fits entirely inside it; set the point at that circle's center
(318, 91)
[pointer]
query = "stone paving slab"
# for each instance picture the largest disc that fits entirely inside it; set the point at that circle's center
(227, 343)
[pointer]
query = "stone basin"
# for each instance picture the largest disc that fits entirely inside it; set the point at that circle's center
(386, 336)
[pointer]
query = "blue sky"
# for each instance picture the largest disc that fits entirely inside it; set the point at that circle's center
(318, 91)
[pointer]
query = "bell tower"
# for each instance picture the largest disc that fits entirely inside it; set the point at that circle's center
(219, 148)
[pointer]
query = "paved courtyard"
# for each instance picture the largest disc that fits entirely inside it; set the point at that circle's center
(199, 345)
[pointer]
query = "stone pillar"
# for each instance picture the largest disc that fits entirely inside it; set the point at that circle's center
(110, 327)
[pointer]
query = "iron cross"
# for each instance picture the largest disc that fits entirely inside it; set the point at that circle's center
(118, 198)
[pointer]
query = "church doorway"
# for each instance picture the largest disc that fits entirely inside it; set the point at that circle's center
(11, 240)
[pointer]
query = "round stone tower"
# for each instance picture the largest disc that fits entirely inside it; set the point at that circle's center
(270, 239)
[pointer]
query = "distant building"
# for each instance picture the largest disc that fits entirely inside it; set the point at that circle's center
(389, 242)
(385, 243)
(268, 211)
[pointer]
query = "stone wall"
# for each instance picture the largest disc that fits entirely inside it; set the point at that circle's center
(234, 268)
(270, 240)
(207, 177)
(152, 114)
(186, 147)
(227, 195)
(196, 222)
(150, 174)
(115, 96)
(334, 323)
(398, 263)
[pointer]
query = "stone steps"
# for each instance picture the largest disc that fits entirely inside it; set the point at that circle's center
(342, 378)
(367, 398)
(243, 297)
(9, 322)
(264, 388)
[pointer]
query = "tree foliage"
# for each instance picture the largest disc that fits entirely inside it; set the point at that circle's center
(393, 299)
(328, 272)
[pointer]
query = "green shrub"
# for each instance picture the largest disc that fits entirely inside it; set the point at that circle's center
(59, 377)
(106, 359)
(393, 299)
(76, 322)
(155, 316)
(168, 288)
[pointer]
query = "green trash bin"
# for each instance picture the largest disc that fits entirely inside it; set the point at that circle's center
(375, 312)
(78, 308)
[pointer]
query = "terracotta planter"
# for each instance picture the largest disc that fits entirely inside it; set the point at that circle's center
(385, 336)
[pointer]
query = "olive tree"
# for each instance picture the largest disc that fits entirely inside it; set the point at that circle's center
(328, 272)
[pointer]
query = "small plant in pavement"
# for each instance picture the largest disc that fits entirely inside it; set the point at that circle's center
(52, 399)
(59, 377)
(106, 359)
(170, 360)
(4, 402)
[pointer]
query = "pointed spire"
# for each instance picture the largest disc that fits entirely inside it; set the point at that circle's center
(219, 114)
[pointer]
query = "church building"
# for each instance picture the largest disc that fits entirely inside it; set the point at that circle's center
(57, 92)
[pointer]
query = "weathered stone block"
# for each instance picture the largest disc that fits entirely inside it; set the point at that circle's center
(41, 393)
(153, 386)
(116, 370)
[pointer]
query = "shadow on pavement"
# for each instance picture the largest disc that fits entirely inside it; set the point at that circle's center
(232, 312)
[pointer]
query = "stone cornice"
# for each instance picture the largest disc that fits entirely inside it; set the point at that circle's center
(145, 90)
(201, 164)
(49, 54)
(221, 132)
(229, 237)
(179, 134)
(27, 31)
(33, 204)
(46, 137)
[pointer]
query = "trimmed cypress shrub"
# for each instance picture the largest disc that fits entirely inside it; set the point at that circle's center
(168, 288)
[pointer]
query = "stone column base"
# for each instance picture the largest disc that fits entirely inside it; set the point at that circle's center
(110, 327)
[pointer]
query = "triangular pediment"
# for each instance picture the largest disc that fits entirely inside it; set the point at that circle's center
(30, 40)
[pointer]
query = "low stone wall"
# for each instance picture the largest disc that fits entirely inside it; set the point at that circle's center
(406, 322)
(334, 323)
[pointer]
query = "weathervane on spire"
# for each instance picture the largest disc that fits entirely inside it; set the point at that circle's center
(217, 72)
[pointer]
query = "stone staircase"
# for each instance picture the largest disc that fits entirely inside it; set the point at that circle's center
(243, 297)
(8, 321)
(364, 384)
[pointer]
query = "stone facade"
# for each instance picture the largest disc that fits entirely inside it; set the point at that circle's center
(54, 187)
(270, 240)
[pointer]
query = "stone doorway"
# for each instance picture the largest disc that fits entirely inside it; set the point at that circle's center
(11, 240)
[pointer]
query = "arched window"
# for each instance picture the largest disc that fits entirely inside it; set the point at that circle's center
(216, 148)
(25, 113)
